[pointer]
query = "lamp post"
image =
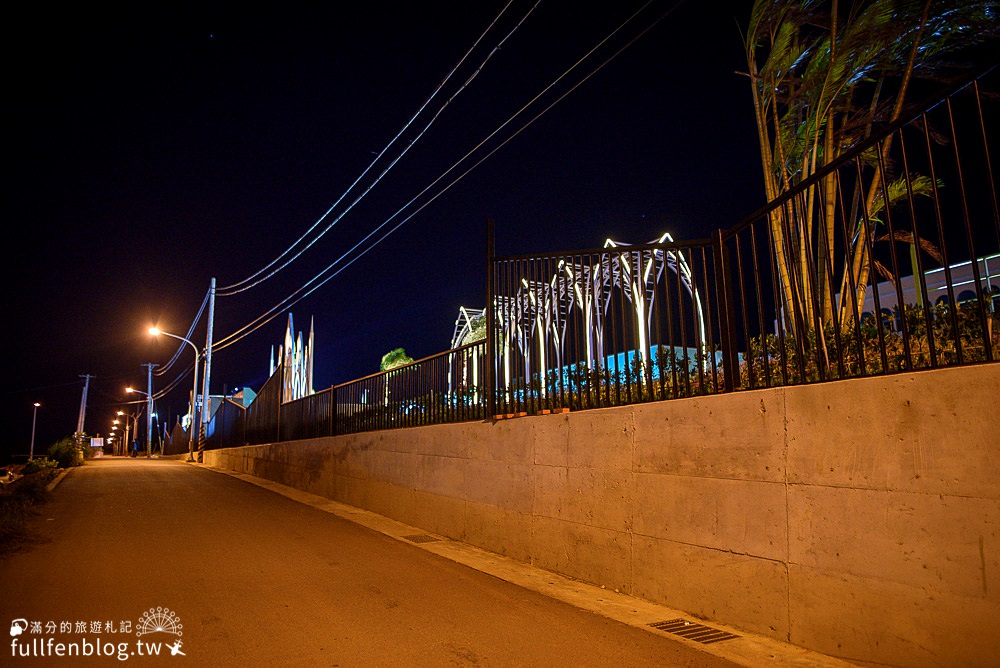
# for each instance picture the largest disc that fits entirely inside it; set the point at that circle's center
(125, 441)
(34, 418)
(149, 408)
(195, 413)
(131, 427)
(149, 411)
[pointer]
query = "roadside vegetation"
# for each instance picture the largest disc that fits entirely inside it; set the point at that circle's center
(19, 498)
(25, 487)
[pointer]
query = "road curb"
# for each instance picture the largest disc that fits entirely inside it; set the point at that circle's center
(58, 479)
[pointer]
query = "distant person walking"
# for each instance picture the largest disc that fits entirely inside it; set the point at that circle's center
(135, 447)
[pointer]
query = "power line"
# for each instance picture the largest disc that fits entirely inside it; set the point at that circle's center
(319, 280)
(180, 346)
(250, 281)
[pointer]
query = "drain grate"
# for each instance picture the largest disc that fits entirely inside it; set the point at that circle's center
(421, 538)
(693, 631)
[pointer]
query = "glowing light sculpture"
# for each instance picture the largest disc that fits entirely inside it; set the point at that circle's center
(468, 329)
(536, 317)
(641, 281)
(296, 360)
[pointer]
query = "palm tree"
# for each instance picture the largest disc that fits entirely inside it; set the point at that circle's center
(822, 80)
(395, 358)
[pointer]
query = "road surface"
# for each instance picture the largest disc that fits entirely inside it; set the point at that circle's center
(147, 561)
(214, 571)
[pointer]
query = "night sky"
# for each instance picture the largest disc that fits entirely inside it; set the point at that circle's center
(157, 146)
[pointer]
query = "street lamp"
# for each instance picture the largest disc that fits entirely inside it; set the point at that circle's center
(149, 412)
(131, 426)
(195, 413)
(34, 418)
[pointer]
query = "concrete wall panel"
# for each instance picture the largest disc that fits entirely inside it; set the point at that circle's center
(936, 543)
(499, 483)
(889, 623)
(594, 440)
(498, 530)
(713, 584)
(583, 552)
(508, 442)
(550, 437)
(746, 517)
(444, 515)
(742, 437)
(904, 432)
(442, 475)
(601, 498)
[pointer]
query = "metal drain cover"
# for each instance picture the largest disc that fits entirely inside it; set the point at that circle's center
(421, 538)
(693, 631)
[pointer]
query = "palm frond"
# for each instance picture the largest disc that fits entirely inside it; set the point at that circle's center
(925, 245)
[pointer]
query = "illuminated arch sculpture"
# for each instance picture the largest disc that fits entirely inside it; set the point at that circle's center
(469, 327)
(642, 281)
(465, 325)
(536, 317)
(541, 310)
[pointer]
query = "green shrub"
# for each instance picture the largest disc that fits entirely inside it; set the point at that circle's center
(35, 465)
(66, 453)
(935, 336)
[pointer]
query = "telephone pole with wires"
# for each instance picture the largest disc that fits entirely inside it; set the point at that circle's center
(206, 414)
(149, 408)
(83, 411)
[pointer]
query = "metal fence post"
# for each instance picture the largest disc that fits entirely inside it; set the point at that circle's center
(281, 386)
(491, 360)
(727, 313)
(333, 411)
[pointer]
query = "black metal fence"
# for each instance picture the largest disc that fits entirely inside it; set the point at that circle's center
(447, 387)
(887, 260)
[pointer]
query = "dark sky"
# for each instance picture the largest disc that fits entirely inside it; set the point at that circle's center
(153, 147)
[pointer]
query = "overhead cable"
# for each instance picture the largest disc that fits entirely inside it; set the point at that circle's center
(257, 278)
(162, 370)
(321, 278)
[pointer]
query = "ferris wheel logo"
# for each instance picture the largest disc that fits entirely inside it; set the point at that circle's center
(159, 620)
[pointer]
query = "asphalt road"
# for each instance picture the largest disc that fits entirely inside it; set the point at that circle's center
(242, 576)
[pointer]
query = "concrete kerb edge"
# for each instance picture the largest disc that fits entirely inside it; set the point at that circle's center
(748, 649)
(58, 479)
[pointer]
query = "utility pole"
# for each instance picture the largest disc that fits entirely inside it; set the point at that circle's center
(34, 418)
(149, 408)
(83, 409)
(205, 404)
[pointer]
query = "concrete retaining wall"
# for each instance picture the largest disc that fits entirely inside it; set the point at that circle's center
(860, 518)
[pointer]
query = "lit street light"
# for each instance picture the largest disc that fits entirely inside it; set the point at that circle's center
(195, 413)
(115, 436)
(131, 426)
(149, 410)
(34, 418)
